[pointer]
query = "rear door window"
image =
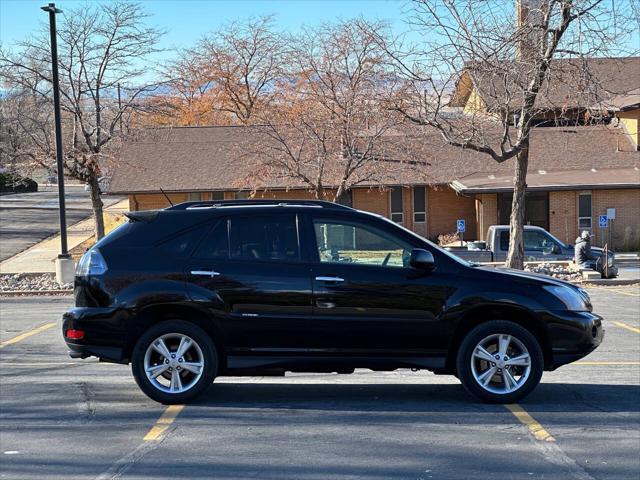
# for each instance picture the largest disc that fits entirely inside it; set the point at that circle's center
(264, 238)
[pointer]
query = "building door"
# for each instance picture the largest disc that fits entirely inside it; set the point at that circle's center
(536, 209)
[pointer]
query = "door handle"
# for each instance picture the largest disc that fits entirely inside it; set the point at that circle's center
(323, 304)
(205, 273)
(329, 279)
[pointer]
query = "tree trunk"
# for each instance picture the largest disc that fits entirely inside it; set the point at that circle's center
(515, 257)
(96, 205)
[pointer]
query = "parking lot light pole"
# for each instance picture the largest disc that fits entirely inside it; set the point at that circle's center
(64, 263)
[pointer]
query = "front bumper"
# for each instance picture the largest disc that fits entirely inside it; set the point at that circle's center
(573, 335)
(105, 336)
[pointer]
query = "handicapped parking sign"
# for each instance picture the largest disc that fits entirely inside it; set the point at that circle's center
(460, 225)
(603, 221)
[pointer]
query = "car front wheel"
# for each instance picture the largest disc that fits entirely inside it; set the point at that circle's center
(174, 362)
(500, 362)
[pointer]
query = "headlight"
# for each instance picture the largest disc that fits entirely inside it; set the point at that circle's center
(576, 300)
(91, 263)
(610, 260)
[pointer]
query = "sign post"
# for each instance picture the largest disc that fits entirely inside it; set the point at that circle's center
(460, 227)
(611, 216)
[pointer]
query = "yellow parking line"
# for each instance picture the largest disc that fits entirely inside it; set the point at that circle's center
(628, 327)
(27, 334)
(165, 420)
(534, 427)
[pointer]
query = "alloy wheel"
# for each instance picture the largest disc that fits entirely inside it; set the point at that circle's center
(173, 363)
(500, 363)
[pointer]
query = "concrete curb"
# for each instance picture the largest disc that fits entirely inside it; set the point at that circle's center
(610, 282)
(34, 293)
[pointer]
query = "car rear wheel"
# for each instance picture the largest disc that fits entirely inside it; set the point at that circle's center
(174, 362)
(500, 362)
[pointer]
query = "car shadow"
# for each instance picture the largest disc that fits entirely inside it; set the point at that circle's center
(405, 397)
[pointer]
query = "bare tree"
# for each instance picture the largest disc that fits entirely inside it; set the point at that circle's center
(328, 125)
(240, 62)
(101, 50)
(507, 58)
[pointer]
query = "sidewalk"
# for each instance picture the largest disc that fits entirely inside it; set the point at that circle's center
(41, 257)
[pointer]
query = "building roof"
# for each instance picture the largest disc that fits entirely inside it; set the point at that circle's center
(571, 84)
(215, 158)
(628, 101)
(592, 179)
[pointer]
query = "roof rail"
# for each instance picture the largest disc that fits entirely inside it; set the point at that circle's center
(206, 204)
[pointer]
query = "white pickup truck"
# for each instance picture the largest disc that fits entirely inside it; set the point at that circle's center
(539, 246)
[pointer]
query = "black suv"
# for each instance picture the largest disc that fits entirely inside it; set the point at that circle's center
(204, 289)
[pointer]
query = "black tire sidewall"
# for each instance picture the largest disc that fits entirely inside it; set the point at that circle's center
(175, 326)
(469, 343)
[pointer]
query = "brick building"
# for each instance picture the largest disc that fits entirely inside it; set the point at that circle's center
(576, 172)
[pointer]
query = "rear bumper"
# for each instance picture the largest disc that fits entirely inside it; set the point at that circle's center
(573, 335)
(105, 336)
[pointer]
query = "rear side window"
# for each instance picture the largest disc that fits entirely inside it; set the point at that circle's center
(264, 238)
(504, 240)
(183, 243)
(216, 242)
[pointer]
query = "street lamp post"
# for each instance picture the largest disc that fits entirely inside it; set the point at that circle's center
(64, 264)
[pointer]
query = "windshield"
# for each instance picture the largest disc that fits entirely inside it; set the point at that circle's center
(431, 244)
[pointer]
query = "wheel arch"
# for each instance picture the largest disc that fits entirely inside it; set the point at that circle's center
(154, 314)
(482, 314)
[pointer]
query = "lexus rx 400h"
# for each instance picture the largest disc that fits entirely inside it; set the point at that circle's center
(207, 289)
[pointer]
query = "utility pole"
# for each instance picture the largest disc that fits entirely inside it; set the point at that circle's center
(64, 264)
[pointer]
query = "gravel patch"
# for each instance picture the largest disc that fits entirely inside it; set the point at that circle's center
(31, 282)
(562, 272)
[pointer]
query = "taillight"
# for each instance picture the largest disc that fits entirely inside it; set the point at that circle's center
(91, 263)
(74, 334)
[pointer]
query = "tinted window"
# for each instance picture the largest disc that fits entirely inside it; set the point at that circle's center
(353, 243)
(216, 243)
(184, 242)
(272, 237)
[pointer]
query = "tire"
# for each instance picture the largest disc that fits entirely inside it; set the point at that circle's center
(499, 388)
(178, 379)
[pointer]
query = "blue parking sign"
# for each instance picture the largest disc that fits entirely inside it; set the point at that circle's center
(461, 225)
(603, 221)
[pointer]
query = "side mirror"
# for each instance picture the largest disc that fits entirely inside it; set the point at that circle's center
(556, 249)
(422, 259)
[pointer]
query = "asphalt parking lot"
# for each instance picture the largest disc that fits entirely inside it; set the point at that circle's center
(27, 218)
(63, 418)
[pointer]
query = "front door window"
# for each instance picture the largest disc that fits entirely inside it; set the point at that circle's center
(351, 243)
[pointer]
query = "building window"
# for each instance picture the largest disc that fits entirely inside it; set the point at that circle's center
(419, 204)
(397, 211)
(217, 195)
(584, 211)
(194, 197)
(243, 195)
